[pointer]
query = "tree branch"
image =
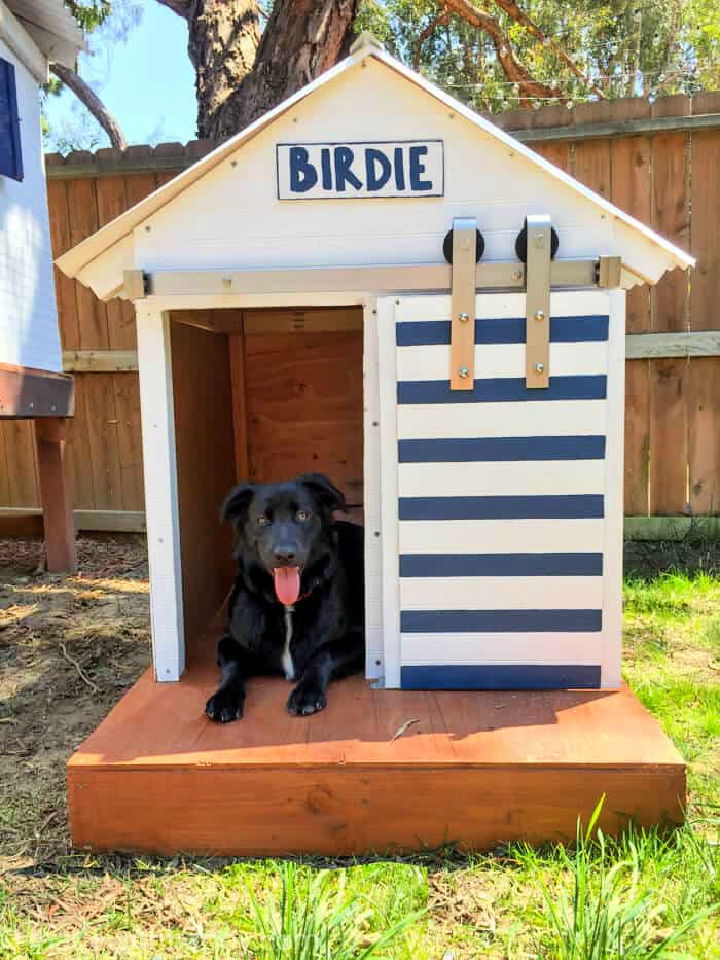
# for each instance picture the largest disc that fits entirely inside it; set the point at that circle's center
(512, 68)
(439, 21)
(87, 96)
(519, 16)
(180, 7)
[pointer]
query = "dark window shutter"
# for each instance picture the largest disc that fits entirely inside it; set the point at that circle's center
(10, 148)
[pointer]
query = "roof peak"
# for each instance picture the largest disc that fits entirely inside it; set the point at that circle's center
(365, 42)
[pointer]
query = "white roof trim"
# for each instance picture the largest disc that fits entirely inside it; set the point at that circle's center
(52, 26)
(74, 260)
(15, 35)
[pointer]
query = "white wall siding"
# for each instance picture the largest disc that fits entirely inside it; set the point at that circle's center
(232, 218)
(29, 333)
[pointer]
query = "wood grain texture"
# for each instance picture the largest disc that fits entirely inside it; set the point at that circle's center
(705, 236)
(21, 461)
(80, 456)
(126, 390)
(637, 437)
(54, 472)
(102, 436)
(557, 153)
(668, 436)
(477, 769)
(671, 218)
(205, 467)
(91, 312)
(305, 403)
(236, 355)
(703, 411)
(631, 191)
(591, 165)
(60, 241)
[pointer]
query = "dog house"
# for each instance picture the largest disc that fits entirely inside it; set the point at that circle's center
(375, 282)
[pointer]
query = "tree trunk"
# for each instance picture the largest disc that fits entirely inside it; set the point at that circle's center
(222, 42)
(301, 40)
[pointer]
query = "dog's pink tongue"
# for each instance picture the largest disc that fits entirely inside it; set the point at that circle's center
(287, 584)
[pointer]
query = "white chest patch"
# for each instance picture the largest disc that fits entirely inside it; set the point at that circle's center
(287, 661)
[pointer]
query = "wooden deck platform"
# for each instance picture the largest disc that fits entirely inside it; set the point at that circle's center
(472, 769)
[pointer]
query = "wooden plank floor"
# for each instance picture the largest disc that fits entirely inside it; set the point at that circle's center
(475, 769)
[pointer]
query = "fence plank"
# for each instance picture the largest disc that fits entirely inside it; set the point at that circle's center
(21, 463)
(557, 153)
(592, 165)
(631, 191)
(704, 232)
(60, 241)
(704, 434)
(127, 408)
(91, 312)
(102, 427)
(637, 436)
(668, 436)
(80, 454)
(671, 213)
(4, 471)
(112, 201)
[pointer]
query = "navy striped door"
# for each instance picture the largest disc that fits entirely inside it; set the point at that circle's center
(501, 498)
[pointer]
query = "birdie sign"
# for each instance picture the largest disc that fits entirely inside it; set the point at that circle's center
(341, 171)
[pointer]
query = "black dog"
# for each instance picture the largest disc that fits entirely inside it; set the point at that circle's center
(297, 607)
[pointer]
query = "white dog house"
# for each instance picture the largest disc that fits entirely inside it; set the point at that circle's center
(297, 310)
(492, 475)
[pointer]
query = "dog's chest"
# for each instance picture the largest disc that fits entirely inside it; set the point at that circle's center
(287, 660)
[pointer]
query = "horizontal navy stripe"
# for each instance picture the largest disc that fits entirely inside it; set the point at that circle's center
(500, 621)
(500, 677)
(587, 329)
(581, 506)
(501, 565)
(501, 390)
(467, 449)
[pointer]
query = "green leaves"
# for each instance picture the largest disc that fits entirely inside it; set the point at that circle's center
(622, 47)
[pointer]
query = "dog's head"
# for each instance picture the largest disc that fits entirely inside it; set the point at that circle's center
(284, 527)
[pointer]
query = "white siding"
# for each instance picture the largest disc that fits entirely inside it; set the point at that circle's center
(29, 333)
(231, 218)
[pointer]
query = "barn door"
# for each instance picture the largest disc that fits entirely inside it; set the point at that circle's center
(501, 506)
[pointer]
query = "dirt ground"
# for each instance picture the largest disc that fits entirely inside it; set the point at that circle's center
(69, 648)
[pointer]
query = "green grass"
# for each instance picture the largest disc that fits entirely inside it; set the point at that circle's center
(650, 895)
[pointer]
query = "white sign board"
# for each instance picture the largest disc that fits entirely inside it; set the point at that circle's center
(341, 171)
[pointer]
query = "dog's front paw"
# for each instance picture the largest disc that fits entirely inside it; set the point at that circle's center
(225, 705)
(305, 699)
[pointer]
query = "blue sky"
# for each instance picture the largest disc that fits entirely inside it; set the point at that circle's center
(146, 82)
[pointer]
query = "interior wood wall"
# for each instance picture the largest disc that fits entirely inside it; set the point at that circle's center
(205, 453)
(304, 406)
(670, 180)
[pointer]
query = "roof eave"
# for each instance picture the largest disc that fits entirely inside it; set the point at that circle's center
(74, 260)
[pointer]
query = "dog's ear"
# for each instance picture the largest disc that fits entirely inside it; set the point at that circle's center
(324, 490)
(237, 502)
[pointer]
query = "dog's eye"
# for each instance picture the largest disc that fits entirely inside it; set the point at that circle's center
(302, 515)
(262, 521)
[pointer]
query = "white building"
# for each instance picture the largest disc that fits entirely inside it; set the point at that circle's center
(32, 34)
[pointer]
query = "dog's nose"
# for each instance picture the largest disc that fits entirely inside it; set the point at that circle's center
(285, 554)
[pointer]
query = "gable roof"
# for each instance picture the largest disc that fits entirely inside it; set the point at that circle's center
(76, 259)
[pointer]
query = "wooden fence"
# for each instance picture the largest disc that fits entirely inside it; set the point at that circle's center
(660, 162)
